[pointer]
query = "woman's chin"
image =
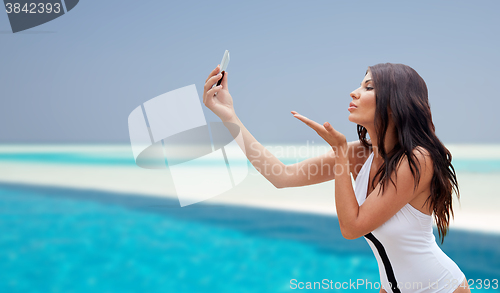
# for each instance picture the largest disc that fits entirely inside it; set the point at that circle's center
(354, 119)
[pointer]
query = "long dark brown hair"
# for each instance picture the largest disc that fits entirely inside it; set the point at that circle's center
(400, 90)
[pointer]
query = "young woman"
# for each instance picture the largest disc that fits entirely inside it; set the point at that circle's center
(404, 176)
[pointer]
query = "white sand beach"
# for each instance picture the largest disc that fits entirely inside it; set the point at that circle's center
(477, 211)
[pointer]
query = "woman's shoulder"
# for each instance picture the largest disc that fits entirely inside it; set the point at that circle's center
(422, 156)
(358, 154)
(421, 152)
(421, 159)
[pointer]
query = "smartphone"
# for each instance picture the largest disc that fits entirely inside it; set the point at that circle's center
(223, 66)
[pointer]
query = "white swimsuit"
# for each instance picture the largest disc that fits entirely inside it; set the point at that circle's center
(409, 259)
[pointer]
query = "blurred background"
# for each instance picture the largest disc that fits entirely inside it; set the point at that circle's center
(78, 215)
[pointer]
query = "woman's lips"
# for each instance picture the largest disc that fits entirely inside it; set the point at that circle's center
(352, 106)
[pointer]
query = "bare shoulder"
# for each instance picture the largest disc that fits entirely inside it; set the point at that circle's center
(423, 161)
(358, 154)
(421, 152)
(423, 157)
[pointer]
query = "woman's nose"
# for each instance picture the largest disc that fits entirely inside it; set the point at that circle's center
(354, 95)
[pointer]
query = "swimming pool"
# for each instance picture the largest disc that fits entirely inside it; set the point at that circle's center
(71, 240)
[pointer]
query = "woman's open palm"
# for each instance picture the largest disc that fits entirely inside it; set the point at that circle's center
(218, 99)
(326, 131)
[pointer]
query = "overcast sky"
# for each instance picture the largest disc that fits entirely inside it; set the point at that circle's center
(77, 78)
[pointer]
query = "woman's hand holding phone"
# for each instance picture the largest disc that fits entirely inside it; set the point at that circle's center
(222, 102)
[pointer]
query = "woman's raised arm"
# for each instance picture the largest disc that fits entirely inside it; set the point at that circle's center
(307, 172)
(321, 168)
(310, 171)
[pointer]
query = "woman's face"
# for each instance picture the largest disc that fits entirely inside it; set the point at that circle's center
(363, 104)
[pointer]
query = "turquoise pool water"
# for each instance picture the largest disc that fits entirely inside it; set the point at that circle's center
(54, 244)
(64, 240)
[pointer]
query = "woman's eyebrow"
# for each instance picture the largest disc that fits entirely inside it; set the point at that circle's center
(366, 81)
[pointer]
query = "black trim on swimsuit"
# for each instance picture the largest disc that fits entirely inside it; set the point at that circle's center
(387, 264)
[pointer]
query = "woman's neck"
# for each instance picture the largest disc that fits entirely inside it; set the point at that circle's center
(390, 140)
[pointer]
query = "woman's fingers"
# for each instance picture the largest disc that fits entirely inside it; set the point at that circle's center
(224, 81)
(213, 77)
(210, 95)
(214, 72)
(329, 127)
(213, 80)
(314, 125)
(320, 129)
(326, 131)
(209, 82)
